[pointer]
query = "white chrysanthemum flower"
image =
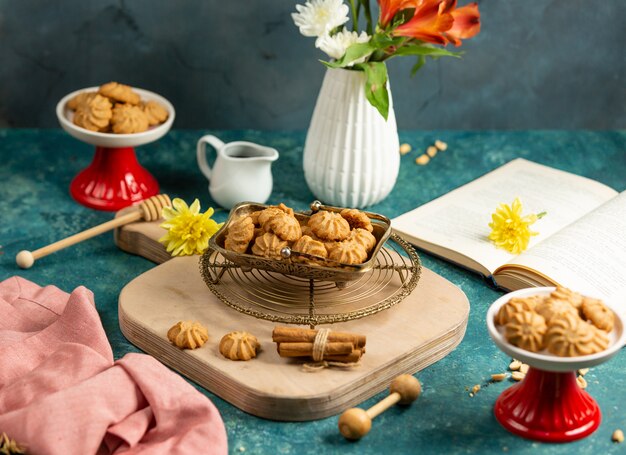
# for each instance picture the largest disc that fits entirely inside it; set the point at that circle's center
(319, 17)
(335, 46)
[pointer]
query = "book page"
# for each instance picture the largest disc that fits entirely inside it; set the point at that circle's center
(588, 256)
(459, 220)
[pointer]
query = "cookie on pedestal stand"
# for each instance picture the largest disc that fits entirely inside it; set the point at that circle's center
(548, 404)
(114, 179)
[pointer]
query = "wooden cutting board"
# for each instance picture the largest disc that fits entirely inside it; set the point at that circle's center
(421, 329)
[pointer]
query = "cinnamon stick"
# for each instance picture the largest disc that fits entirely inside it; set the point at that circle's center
(299, 349)
(353, 357)
(294, 334)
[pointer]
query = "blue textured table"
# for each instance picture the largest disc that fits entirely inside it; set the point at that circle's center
(38, 165)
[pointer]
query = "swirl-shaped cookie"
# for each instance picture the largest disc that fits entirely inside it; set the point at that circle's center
(570, 336)
(94, 113)
(128, 119)
(347, 252)
(268, 245)
(574, 298)
(119, 92)
(598, 313)
(284, 226)
(357, 219)
(329, 226)
(552, 306)
(240, 234)
(516, 305)
(364, 238)
(188, 334)
(239, 346)
(308, 245)
(526, 330)
(265, 215)
(81, 98)
(155, 112)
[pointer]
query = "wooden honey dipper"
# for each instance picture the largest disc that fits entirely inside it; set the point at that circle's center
(356, 423)
(148, 210)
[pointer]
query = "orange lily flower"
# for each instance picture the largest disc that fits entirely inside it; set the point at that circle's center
(466, 24)
(429, 22)
(389, 8)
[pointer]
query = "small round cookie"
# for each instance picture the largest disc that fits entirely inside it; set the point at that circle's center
(266, 214)
(570, 336)
(364, 238)
(526, 330)
(574, 298)
(329, 226)
(188, 334)
(94, 113)
(240, 234)
(598, 314)
(128, 119)
(284, 226)
(155, 112)
(239, 346)
(515, 305)
(347, 252)
(553, 306)
(268, 245)
(357, 219)
(81, 98)
(119, 92)
(308, 245)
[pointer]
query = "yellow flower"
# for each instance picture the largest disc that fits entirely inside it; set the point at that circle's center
(188, 230)
(509, 229)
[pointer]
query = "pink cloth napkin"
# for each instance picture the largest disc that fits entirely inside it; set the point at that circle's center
(61, 392)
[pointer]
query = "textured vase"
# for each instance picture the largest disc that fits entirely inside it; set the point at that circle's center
(351, 156)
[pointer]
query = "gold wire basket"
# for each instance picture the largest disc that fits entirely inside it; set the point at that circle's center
(290, 299)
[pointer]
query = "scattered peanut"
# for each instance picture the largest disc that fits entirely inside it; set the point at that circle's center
(404, 149)
(515, 365)
(476, 388)
(422, 160)
(431, 151)
(582, 383)
(618, 436)
(497, 377)
(583, 371)
(441, 145)
(524, 368)
(518, 376)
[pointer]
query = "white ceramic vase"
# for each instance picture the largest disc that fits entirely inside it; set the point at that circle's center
(351, 155)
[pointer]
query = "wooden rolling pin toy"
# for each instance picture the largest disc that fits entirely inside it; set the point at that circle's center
(356, 423)
(148, 210)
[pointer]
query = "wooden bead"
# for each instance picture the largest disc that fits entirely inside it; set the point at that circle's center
(25, 259)
(354, 423)
(407, 386)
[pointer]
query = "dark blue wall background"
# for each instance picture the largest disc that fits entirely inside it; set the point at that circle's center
(243, 64)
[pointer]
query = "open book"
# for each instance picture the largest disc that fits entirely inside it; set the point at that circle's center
(581, 242)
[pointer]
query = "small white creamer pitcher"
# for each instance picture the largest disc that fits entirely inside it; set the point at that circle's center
(241, 172)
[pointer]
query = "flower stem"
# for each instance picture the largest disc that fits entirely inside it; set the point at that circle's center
(355, 15)
(368, 15)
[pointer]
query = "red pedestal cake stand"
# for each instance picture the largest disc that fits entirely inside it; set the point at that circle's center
(114, 179)
(548, 405)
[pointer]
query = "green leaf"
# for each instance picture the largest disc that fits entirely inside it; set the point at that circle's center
(376, 86)
(420, 62)
(421, 49)
(354, 53)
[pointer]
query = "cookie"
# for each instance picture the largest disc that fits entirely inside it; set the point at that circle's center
(516, 305)
(119, 92)
(570, 336)
(128, 119)
(80, 99)
(598, 314)
(364, 238)
(239, 346)
(308, 245)
(347, 252)
(357, 219)
(574, 298)
(93, 113)
(526, 330)
(329, 226)
(240, 234)
(155, 112)
(188, 334)
(268, 245)
(284, 226)
(552, 306)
